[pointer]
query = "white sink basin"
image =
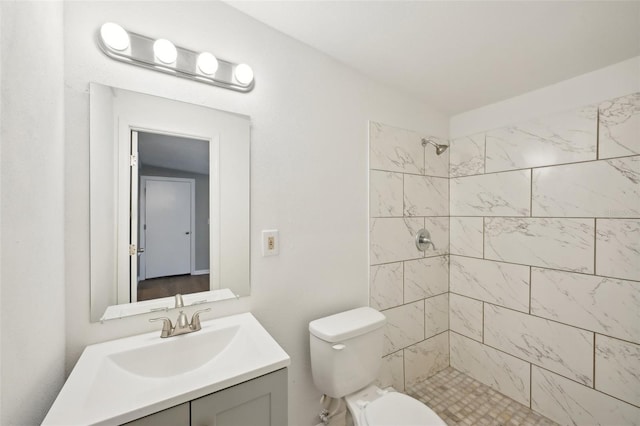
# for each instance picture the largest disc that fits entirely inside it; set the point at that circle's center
(121, 380)
(172, 356)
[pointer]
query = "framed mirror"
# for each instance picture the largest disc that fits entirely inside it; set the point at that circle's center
(169, 191)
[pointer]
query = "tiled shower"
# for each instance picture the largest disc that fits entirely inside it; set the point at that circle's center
(535, 287)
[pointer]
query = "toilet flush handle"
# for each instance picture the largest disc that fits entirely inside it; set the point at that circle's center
(339, 346)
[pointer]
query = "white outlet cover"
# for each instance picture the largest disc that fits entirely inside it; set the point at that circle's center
(266, 235)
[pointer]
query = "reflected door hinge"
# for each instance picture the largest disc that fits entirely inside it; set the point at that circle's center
(132, 250)
(133, 160)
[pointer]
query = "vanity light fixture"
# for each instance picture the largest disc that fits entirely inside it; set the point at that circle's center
(164, 56)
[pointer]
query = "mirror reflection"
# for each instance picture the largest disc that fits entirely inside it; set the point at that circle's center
(173, 217)
(169, 191)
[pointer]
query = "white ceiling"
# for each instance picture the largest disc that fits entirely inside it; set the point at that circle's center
(456, 55)
(173, 152)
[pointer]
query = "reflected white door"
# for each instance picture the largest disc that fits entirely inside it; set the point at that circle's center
(168, 228)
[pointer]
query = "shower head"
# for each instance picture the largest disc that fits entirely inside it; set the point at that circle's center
(440, 148)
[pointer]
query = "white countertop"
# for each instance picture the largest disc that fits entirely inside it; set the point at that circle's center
(100, 392)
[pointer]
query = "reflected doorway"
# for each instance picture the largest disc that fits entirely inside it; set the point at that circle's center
(171, 216)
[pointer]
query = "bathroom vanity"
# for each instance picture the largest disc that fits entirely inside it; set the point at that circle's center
(230, 372)
(258, 402)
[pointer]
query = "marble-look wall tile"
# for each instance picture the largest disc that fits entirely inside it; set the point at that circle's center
(385, 285)
(394, 149)
(426, 196)
(554, 243)
(404, 327)
(436, 315)
(555, 139)
(426, 358)
(386, 195)
(434, 164)
(620, 126)
(560, 348)
(504, 373)
(494, 194)
(467, 237)
(465, 316)
(618, 248)
(618, 368)
(393, 239)
(439, 229)
(392, 372)
(609, 188)
(569, 403)
(499, 283)
(467, 156)
(604, 305)
(425, 278)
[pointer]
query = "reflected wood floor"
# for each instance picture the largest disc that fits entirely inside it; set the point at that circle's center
(155, 288)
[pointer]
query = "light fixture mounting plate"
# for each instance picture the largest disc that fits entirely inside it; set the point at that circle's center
(140, 52)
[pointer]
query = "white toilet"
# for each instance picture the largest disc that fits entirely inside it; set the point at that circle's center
(346, 354)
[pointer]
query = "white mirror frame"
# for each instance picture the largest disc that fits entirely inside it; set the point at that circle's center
(110, 191)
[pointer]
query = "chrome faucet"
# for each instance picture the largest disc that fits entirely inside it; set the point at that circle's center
(183, 326)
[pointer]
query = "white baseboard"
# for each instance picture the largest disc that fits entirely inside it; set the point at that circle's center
(200, 272)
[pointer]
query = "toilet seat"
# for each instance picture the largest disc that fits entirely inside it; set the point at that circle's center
(397, 409)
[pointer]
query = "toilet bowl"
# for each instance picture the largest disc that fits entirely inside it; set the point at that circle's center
(373, 406)
(346, 355)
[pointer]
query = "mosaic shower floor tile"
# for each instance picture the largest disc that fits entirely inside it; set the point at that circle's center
(460, 400)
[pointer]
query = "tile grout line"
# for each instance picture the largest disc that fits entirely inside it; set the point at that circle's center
(546, 319)
(568, 271)
(594, 360)
(530, 286)
(531, 386)
(570, 163)
(403, 282)
(595, 246)
(598, 132)
(483, 324)
(484, 240)
(531, 194)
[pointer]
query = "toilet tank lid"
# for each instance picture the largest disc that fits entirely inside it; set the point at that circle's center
(348, 324)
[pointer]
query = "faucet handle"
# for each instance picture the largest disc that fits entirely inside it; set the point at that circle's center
(195, 319)
(179, 302)
(166, 326)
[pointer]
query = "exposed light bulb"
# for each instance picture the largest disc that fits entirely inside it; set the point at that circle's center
(244, 74)
(207, 63)
(114, 36)
(165, 51)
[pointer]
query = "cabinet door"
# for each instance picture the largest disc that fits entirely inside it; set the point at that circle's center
(258, 402)
(174, 416)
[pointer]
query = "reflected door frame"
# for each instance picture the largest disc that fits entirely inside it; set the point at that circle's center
(170, 121)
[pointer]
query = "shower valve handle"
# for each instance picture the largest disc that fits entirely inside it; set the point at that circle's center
(423, 240)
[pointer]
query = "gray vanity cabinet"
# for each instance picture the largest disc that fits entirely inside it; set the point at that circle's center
(174, 416)
(258, 402)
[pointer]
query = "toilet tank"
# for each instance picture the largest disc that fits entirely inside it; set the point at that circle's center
(346, 350)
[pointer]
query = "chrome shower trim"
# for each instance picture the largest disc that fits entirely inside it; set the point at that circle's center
(440, 148)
